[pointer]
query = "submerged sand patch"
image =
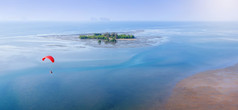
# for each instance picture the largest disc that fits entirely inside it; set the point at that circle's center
(209, 90)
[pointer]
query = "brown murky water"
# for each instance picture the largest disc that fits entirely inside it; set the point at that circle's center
(209, 90)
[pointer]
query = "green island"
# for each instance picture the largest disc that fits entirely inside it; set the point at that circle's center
(107, 37)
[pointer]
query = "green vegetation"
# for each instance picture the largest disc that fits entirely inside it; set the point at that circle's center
(107, 37)
(99, 42)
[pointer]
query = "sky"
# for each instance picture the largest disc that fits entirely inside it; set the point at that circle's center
(118, 10)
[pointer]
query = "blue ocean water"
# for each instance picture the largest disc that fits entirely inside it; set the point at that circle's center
(106, 78)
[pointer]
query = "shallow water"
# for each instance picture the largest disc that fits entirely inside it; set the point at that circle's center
(87, 77)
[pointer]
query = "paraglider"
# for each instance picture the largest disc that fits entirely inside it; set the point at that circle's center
(51, 59)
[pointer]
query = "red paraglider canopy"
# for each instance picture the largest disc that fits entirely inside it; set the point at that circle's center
(50, 58)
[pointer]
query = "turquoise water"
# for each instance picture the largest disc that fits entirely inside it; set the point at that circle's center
(106, 78)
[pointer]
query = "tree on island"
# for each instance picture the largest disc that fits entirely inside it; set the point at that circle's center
(99, 42)
(106, 34)
(113, 39)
